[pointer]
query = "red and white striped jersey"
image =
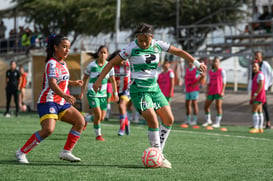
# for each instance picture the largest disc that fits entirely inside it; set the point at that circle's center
(122, 75)
(59, 71)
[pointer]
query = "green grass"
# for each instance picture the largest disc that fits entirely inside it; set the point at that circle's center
(194, 154)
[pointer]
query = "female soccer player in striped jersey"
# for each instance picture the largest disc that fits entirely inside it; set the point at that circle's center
(258, 97)
(55, 103)
(122, 76)
(143, 55)
(98, 100)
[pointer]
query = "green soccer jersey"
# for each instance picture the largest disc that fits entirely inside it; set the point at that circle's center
(144, 64)
(93, 70)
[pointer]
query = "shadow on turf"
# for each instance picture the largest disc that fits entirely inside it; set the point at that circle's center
(53, 163)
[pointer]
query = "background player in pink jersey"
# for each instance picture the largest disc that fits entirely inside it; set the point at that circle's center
(258, 97)
(216, 83)
(166, 80)
(54, 103)
(192, 79)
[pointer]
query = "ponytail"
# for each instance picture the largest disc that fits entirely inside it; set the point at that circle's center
(51, 41)
(96, 54)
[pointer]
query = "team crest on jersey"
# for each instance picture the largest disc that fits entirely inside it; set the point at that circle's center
(144, 104)
(156, 50)
(52, 110)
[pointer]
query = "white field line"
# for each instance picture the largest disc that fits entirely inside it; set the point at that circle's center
(223, 135)
(205, 133)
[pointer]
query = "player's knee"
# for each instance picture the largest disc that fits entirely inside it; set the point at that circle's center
(47, 131)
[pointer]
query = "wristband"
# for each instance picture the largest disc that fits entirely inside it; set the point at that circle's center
(115, 93)
(255, 94)
(196, 63)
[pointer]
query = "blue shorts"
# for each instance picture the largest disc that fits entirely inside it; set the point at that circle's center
(192, 95)
(51, 110)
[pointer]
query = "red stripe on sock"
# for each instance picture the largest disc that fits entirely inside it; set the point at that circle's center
(122, 124)
(71, 141)
(30, 144)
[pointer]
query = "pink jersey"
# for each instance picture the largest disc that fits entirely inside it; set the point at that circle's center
(164, 82)
(261, 97)
(122, 76)
(109, 87)
(215, 82)
(190, 79)
(58, 71)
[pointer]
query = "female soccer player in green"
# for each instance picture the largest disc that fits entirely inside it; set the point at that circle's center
(143, 55)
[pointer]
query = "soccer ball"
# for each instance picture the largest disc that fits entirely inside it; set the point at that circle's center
(152, 157)
(23, 108)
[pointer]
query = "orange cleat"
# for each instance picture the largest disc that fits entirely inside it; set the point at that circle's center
(254, 130)
(261, 130)
(184, 125)
(100, 138)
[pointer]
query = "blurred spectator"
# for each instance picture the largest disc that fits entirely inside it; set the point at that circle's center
(26, 40)
(255, 17)
(12, 39)
(19, 37)
(2, 30)
(266, 16)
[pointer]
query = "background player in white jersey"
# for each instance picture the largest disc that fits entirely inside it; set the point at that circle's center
(143, 55)
(122, 76)
(98, 100)
(54, 102)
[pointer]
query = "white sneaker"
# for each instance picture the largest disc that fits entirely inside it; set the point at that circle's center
(216, 125)
(7, 115)
(207, 123)
(166, 164)
(21, 157)
(67, 155)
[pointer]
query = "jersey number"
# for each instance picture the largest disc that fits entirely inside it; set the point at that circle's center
(150, 58)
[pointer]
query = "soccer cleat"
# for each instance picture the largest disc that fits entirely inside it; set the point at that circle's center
(100, 138)
(184, 125)
(254, 130)
(165, 164)
(67, 155)
(261, 130)
(127, 129)
(21, 157)
(216, 125)
(207, 123)
(121, 132)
